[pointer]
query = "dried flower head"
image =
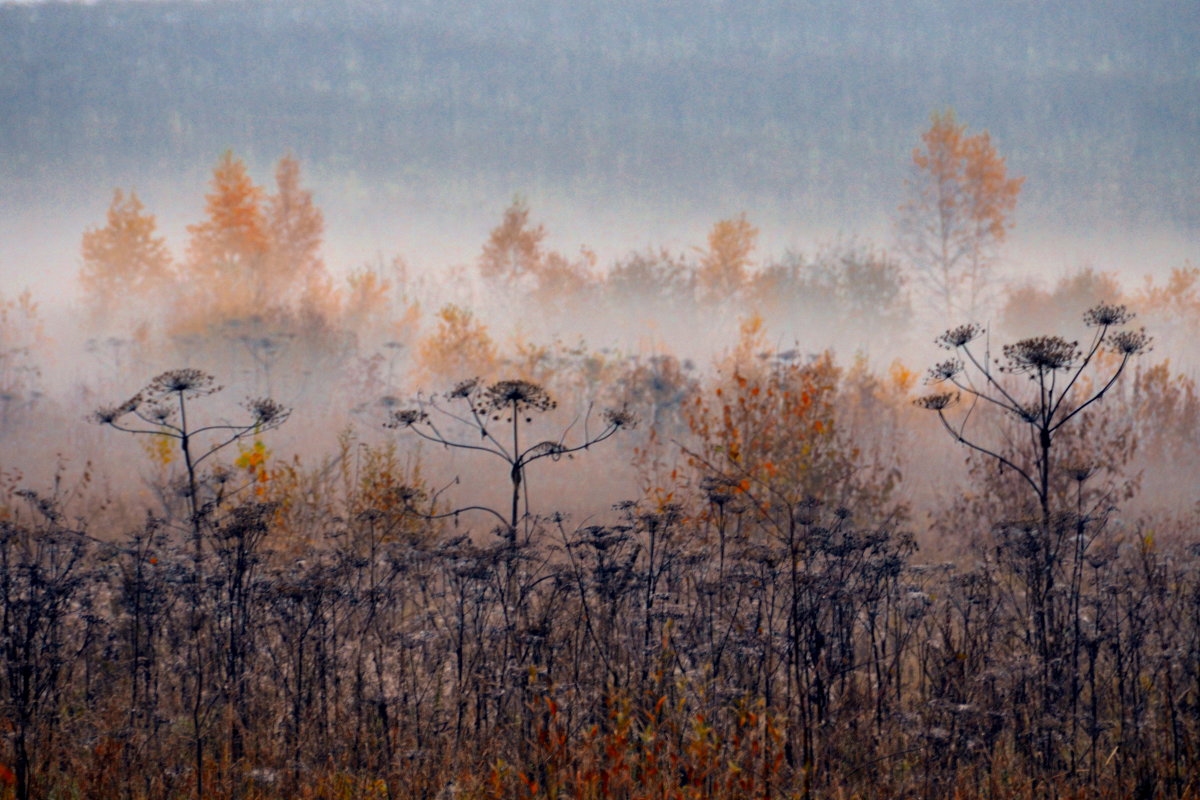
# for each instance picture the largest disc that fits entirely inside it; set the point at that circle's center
(516, 396)
(1079, 472)
(107, 415)
(937, 402)
(1041, 354)
(407, 495)
(406, 418)
(188, 382)
(945, 371)
(463, 388)
(1106, 314)
(160, 413)
(267, 412)
(957, 337)
(1131, 343)
(1027, 413)
(620, 418)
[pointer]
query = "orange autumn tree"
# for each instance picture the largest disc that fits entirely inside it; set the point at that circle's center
(257, 255)
(513, 252)
(228, 250)
(1175, 306)
(959, 211)
(254, 278)
(514, 258)
(768, 433)
(459, 348)
(295, 270)
(1179, 297)
(1029, 309)
(724, 265)
(125, 263)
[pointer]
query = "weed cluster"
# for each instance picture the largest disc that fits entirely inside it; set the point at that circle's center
(764, 629)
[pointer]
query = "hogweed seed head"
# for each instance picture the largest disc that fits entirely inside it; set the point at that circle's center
(463, 388)
(1131, 343)
(1079, 472)
(160, 413)
(937, 402)
(718, 488)
(957, 337)
(1106, 315)
(406, 418)
(107, 415)
(1041, 354)
(187, 382)
(407, 495)
(517, 396)
(620, 418)
(267, 411)
(945, 371)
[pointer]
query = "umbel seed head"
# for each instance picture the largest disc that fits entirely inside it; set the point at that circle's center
(406, 418)
(1041, 354)
(937, 402)
(1106, 315)
(1131, 343)
(188, 382)
(620, 418)
(944, 371)
(957, 337)
(267, 411)
(517, 396)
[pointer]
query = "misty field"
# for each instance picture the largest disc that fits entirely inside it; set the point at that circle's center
(268, 532)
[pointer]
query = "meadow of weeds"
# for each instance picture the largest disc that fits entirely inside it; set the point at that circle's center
(589, 573)
(759, 624)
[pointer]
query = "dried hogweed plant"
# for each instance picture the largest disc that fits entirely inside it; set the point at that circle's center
(497, 413)
(1044, 384)
(162, 409)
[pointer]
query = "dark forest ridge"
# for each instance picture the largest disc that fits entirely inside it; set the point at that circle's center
(802, 105)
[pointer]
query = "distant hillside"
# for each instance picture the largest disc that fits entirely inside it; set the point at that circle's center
(812, 104)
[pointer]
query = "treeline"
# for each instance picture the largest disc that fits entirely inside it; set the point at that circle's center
(604, 100)
(534, 567)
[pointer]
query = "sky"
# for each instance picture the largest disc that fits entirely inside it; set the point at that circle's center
(624, 125)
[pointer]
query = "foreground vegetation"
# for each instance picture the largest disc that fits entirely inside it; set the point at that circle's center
(347, 632)
(806, 593)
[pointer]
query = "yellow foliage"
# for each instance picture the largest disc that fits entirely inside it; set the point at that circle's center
(228, 248)
(459, 348)
(903, 379)
(253, 460)
(126, 261)
(724, 265)
(160, 449)
(515, 258)
(255, 256)
(960, 209)
(514, 248)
